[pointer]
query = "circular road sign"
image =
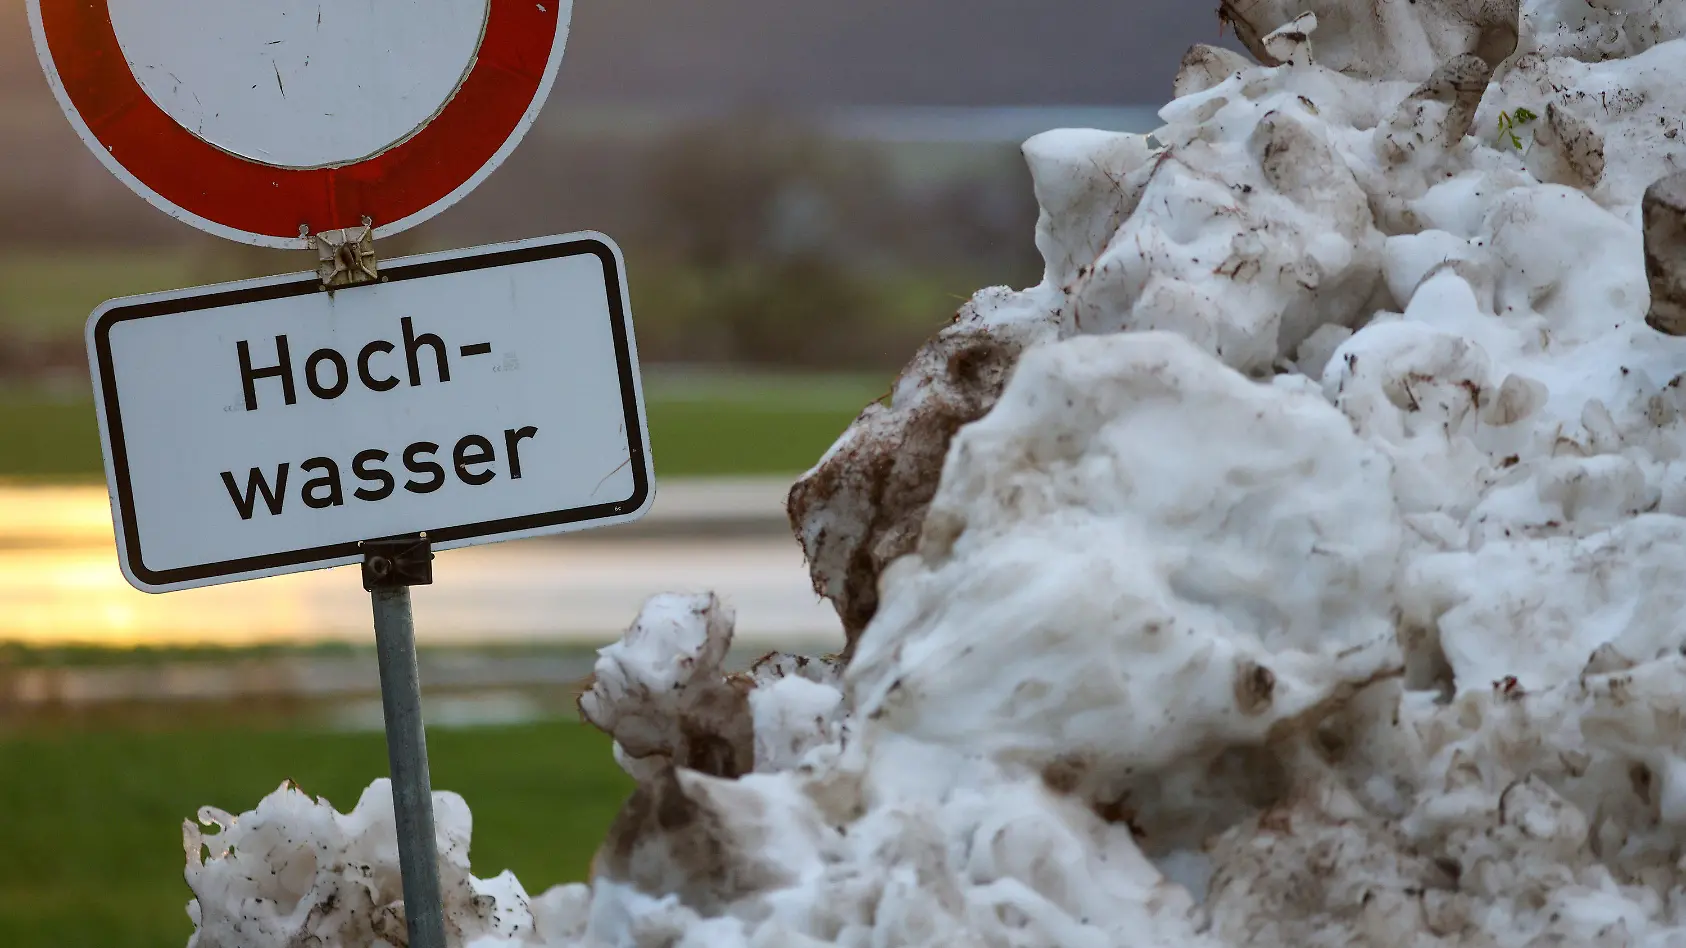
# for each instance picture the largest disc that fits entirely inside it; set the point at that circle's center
(266, 122)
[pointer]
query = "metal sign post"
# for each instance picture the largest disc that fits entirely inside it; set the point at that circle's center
(390, 568)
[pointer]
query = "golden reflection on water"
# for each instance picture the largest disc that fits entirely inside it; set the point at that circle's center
(78, 595)
(65, 514)
(60, 583)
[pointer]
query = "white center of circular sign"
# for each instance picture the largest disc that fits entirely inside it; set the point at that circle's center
(300, 83)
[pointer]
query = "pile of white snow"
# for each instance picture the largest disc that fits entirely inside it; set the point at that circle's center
(1302, 562)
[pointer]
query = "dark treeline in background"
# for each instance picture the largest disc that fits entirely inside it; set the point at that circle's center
(795, 183)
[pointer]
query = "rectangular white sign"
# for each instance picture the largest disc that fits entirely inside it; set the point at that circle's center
(266, 427)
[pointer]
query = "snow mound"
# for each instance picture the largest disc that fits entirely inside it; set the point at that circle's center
(297, 872)
(1299, 563)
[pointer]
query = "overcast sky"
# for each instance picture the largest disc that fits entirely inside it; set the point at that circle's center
(871, 52)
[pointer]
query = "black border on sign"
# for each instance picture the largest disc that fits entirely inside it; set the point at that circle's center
(308, 285)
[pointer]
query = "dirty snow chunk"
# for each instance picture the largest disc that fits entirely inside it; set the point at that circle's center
(294, 871)
(1320, 870)
(1559, 810)
(662, 694)
(1087, 183)
(1247, 232)
(1073, 879)
(1381, 39)
(1290, 43)
(562, 913)
(1432, 121)
(1534, 610)
(1413, 391)
(1205, 66)
(954, 850)
(712, 842)
(1595, 30)
(1523, 338)
(863, 504)
(1250, 232)
(1624, 119)
(1314, 354)
(1665, 253)
(795, 710)
(1138, 552)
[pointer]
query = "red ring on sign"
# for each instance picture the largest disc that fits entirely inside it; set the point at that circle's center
(245, 195)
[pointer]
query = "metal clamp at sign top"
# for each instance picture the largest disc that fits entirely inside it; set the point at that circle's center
(345, 257)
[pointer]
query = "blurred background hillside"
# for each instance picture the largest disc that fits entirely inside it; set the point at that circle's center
(796, 183)
(804, 191)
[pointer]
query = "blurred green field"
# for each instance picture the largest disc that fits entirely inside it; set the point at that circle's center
(90, 821)
(720, 421)
(47, 437)
(723, 427)
(43, 295)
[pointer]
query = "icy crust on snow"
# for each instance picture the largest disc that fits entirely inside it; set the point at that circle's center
(1298, 564)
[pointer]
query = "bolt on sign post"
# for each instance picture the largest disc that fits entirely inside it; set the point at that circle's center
(367, 411)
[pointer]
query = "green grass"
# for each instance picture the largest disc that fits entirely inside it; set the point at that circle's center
(43, 437)
(721, 422)
(90, 655)
(708, 427)
(90, 822)
(24, 655)
(51, 295)
(706, 438)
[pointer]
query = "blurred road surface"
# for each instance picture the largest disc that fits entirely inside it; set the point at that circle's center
(59, 581)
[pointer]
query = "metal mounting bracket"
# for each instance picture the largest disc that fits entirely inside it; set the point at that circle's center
(399, 562)
(346, 257)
